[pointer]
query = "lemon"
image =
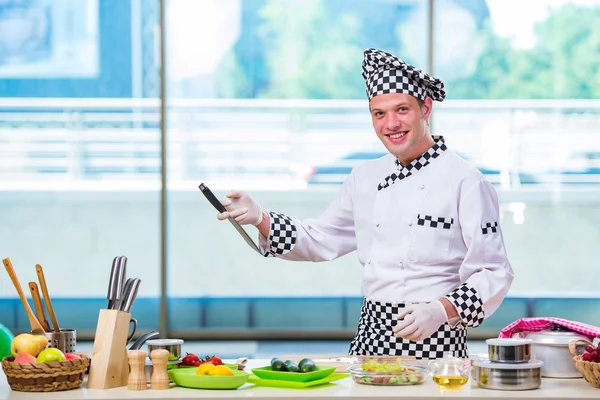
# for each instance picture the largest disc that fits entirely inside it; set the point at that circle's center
(222, 370)
(205, 369)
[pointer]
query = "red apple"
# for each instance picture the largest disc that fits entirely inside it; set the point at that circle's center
(72, 356)
(24, 358)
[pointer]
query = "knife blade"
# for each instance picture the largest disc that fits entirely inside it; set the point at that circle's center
(113, 284)
(219, 207)
(131, 295)
(122, 280)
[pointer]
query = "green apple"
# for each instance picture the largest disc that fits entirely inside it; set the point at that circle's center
(51, 354)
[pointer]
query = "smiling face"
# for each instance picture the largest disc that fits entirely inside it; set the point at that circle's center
(400, 122)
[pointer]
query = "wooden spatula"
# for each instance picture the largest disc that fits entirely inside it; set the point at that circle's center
(42, 279)
(39, 307)
(36, 327)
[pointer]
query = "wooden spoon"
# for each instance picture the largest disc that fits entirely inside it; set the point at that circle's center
(42, 279)
(39, 307)
(36, 327)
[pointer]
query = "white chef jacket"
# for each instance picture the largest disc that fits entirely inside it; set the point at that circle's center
(419, 239)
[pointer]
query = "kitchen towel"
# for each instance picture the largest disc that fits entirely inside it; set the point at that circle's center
(540, 324)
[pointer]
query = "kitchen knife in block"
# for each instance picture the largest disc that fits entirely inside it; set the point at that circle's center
(110, 366)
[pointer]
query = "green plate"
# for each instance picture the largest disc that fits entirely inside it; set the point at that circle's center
(295, 385)
(187, 377)
(268, 373)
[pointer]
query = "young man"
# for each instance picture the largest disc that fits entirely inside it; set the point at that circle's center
(425, 225)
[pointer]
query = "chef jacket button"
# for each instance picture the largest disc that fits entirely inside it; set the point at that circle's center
(422, 187)
(410, 223)
(376, 223)
(368, 261)
(400, 264)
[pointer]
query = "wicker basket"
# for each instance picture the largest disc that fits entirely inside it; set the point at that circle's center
(589, 370)
(45, 377)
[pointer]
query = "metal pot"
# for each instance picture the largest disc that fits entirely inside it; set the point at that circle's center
(173, 346)
(509, 350)
(505, 376)
(552, 347)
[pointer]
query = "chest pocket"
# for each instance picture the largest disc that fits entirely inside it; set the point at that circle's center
(431, 239)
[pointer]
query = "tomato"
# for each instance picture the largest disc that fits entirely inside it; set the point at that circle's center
(190, 359)
(215, 360)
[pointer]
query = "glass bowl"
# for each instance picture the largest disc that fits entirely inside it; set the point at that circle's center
(407, 375)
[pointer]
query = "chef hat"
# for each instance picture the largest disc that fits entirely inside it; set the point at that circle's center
(385, 73)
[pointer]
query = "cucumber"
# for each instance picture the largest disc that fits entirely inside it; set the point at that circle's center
(307, 366)
(304, 360)
(291, 366)
(278, 365)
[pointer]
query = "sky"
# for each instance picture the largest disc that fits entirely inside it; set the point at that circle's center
(516, 18)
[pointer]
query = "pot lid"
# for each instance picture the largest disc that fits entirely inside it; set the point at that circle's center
(507, 342)
(496, 365)
(164, 342)
(555, 337)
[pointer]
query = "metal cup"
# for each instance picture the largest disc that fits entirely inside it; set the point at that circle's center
(65, 340)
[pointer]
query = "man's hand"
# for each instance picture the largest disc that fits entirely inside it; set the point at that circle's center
(420, 321)
(242, 208)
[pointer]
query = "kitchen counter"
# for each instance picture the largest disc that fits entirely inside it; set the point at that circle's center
(345, 388)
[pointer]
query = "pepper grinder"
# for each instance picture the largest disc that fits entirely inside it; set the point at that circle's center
(159, 379)
(137, 370)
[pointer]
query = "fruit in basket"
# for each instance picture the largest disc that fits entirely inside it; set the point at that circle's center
(28, 343)
(72, 356)
(591, 354)
(24, 358)
(51, 354)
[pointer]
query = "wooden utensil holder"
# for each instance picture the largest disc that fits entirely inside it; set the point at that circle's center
(109, 367)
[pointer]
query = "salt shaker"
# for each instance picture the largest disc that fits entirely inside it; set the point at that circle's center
(159, 379)
(137, 370)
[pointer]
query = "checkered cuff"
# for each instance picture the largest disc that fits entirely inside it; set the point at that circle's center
(283, 233)
(468, 304)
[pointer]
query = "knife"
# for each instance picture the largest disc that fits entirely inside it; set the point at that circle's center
(121, 283)
(217, 204)
(130, 295)
(114, 290)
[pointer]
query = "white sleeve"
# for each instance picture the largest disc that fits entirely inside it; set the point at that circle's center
(318, 239)
(485, 272)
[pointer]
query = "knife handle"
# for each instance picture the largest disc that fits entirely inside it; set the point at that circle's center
(211, 198)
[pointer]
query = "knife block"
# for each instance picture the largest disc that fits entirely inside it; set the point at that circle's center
(109, 367)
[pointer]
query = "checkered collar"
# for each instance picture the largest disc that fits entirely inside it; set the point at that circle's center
(404, 171)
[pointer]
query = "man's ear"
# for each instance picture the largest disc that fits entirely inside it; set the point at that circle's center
(426, 108)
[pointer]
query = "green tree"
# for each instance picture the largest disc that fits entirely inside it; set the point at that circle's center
(564, 63)
(311, 54)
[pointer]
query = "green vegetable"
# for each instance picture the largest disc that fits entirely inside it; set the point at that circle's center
(277, 364)
(291, 366)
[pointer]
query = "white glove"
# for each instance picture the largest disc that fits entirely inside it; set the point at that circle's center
(242, 208)
(420, 321)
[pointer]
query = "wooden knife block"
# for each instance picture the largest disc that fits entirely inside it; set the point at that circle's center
(109, 367)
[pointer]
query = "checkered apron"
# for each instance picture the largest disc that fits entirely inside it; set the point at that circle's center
(375, 336)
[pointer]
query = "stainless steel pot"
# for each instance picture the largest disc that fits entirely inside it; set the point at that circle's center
(505, 376)
(173, 346)
(507, 350)
(552, 347)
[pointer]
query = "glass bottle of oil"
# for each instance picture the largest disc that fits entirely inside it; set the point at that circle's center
(450, 372)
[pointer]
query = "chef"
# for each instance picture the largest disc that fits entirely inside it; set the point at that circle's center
(423, 221)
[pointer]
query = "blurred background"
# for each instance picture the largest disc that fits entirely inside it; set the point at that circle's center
(96, 161)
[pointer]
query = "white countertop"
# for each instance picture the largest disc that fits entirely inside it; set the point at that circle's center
(345, 388)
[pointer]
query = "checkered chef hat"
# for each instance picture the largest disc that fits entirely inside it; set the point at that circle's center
(385, 73)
